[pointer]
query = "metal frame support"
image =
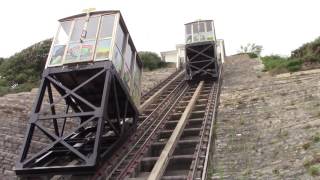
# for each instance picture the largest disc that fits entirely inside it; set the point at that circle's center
(98, 123)
(201, 60)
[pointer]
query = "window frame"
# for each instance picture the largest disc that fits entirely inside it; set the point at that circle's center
(137, 83)
(197, 23)
(53, 44)
(93, 56)
(123, 49)
(115, 22)
(91, 59)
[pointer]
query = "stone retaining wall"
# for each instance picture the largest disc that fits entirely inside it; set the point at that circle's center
(14, 110)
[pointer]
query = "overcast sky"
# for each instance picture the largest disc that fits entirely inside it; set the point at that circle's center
(280, 26)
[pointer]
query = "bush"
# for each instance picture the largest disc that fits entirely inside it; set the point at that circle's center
(306, 56)
(314, 170)
(309, 52)
(277, 64)
(294, 65)
(151, 60)
(273, 62)
(20, 88)
(4, 90)
(252, 55)
(252, 50)
(23, 68)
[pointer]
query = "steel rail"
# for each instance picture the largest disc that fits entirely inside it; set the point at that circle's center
(174, 77)
(162, 162)
(157, 94)
(146, 122)
(217, 102)
(148, 94)
(146, 131)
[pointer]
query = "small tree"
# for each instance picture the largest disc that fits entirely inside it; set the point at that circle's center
(151, 60)
(253, 50)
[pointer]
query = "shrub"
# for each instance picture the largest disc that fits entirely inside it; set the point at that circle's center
(314, 170)
(23, 68)
(252, 55)
(316, 137)
(273, 62)
(277, 64)
(252, 50)
(294, 65)
(4, 90)
(151, 60)
(309, 52)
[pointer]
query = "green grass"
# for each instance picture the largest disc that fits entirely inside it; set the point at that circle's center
(252, 55)
(25, 87)
(314, 170)
(316, 137)
(305, 57)
(276, 64)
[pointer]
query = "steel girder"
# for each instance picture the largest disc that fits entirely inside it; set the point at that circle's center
(97, 114)
(201, 60)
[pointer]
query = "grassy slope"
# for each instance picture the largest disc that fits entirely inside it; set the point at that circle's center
(305, 57)
(23, 68)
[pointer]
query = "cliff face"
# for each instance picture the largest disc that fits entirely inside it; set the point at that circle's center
(14, 110)
(267, 127)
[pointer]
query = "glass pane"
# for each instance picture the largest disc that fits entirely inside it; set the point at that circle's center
(87, 50)
(73, 52)
(195, 32)
(195, 37)
(128, 56)
(106, 26)
(63, 35)
(209, 36)
(57, 54)
(136, 83)
(137, 73)
(77, 29)
(103, 49)
(127, 76)
(202, 37)
(136, 95)
(92, 27)
(189, 38)
(201, 27)
(117, 59)
(202, 30)
(195, 28)
(209, 26)
(120, 38)
(188, 29)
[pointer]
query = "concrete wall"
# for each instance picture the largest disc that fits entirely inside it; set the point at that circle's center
(175, 56)
(169, 56)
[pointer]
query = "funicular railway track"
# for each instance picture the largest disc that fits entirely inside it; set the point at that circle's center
(165, 134)
(183, 115)
(159, 99)
(186, 124)
(156, 88)
(147, 120)
(177, 148)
